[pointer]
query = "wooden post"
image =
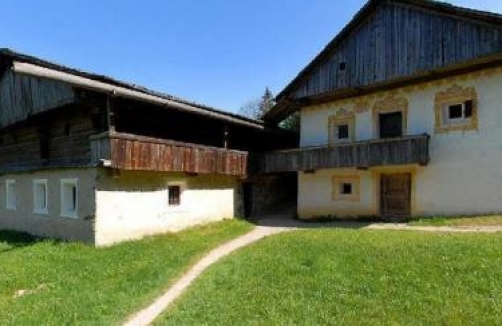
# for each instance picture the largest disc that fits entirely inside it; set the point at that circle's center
(110, 114)
(226, 136)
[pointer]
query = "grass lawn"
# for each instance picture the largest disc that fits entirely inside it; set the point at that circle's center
(325, 277)
(68, 283)
(494, 220)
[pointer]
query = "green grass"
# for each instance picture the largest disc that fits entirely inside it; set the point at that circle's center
(70, 283)
(351, 277)
(462, 221)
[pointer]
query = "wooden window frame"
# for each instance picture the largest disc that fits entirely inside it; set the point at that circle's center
(455, 95)
(10, 195)
(40, 210)
(64, 198)
(390, 104)
(338, 181)
(180, 199)
(343, 117)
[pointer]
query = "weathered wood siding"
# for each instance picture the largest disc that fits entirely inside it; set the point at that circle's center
(68, 131)
(24, 96)
(400, 40)
(407, 150)
(132, 152)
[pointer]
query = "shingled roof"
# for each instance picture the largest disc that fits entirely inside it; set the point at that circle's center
(14, 56)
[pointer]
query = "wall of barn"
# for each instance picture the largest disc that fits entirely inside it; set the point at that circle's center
(131, 205)
(53, 224)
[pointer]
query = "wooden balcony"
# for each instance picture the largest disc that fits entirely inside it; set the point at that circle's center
(363, 155)
(137, 153)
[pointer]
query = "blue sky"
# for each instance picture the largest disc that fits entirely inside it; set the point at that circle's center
(219, 52)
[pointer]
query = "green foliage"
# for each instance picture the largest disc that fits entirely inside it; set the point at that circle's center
(44, 282)
(351, 277)
(292, 122)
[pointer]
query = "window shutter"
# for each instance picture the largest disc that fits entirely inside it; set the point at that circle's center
(468, 108)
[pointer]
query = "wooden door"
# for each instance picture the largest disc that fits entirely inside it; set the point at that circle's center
(395, 195)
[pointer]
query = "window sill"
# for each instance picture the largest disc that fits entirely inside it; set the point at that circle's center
(41, 212)
(73, 216)
(12, 209)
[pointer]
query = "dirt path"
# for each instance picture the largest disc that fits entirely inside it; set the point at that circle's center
(148, 315)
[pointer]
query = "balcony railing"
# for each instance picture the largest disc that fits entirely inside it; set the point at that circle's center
(365, 154)
(137, 153)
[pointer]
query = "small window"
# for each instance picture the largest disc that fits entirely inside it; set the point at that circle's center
(343, 132)
(455, 111)
(10, 195)
(343, 66)
(346, 189)
(40, 197)
(174, 195)
(69, 198)
(458, 112)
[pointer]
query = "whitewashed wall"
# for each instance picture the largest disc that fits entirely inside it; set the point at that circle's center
(135, 204)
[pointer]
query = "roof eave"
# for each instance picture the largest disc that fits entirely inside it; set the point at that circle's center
(287, 106)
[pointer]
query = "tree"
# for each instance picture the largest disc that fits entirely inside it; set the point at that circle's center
(257, 108)
(292, 122)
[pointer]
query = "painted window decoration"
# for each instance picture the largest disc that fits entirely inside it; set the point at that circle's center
(341, 127)
(456, 110)
(346, 188)
(40, 197)
(69, 198)
(10, 195)
(174, 195)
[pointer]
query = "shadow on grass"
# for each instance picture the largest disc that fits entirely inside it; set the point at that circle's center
(15, 240)
(316, 223)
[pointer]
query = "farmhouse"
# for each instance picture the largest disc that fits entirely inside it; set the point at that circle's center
(400, 115)
(85, 157)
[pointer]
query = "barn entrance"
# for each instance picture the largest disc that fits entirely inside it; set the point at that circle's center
(270, 196)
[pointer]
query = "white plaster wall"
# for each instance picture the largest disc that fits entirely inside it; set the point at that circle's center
(315, 195)
(464, 175)
(52, 225)
(136, 204)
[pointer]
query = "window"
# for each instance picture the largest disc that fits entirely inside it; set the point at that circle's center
(391, 125)
(40, 197)
(341, 127)
(458, 113)
(69, 198)
(346, 188)
(343, 66)
(10, 195)
(456, 109)
(342, 132)
(174, 195)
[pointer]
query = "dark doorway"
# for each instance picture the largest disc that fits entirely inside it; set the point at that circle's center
(391, 125)
(247, 192)
(395, 192)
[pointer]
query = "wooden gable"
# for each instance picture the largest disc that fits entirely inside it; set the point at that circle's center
(389, 39)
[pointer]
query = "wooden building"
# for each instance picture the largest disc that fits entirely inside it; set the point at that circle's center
(86, 157)
(400, 115)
